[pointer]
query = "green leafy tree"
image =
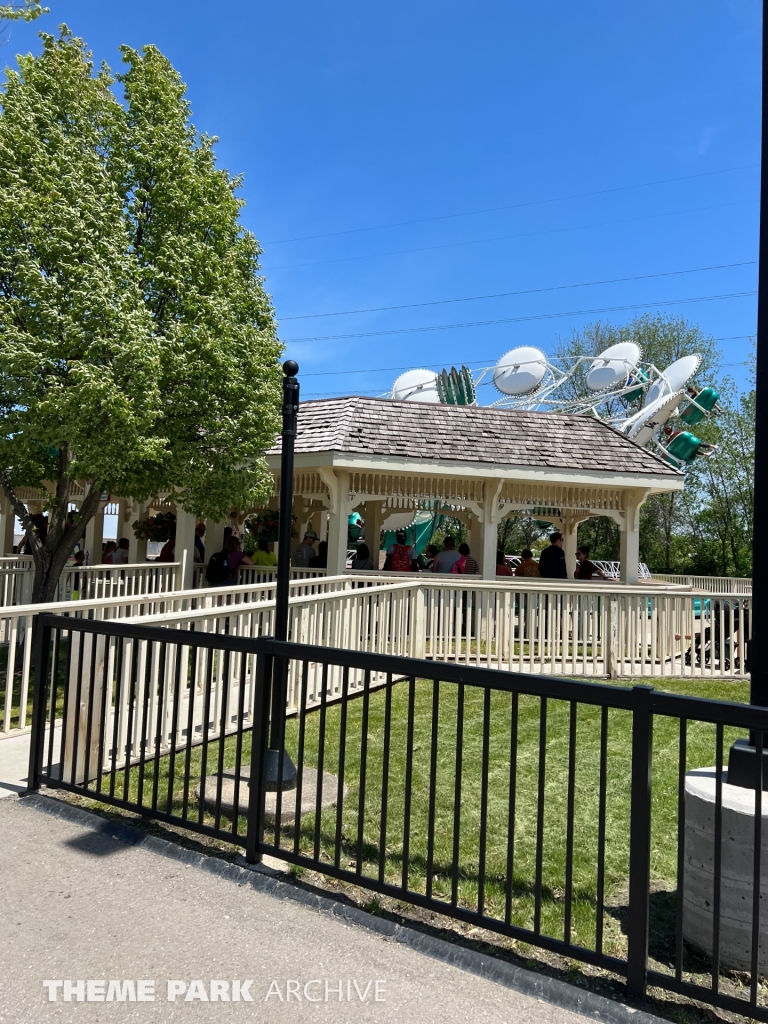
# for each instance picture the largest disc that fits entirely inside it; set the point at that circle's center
(138, 348)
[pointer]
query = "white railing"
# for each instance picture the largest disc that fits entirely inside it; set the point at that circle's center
(90, 582)
(16, 627)
(562, 629)
(709, 584)
(532, 626)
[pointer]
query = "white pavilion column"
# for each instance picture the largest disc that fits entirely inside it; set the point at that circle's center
(570, 530)
(338, 524)
(124, 520)
(7, 520)
(373, 526)
(630, 536)
(214, 537)
(489, 537)
(94, 534)
(184, 551)
(488, 529)
(137, 549)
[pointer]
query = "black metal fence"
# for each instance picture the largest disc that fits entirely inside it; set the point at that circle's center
(577, 817)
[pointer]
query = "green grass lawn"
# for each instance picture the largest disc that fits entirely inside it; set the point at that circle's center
(461, 852)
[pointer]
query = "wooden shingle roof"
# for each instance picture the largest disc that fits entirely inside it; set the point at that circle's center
(478, 434)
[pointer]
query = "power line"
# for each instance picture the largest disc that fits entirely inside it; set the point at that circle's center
(514, 206)
(472, 362)
(505, 238)
(520, 319)
(528, 291)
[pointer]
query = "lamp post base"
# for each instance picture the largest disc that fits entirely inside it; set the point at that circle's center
(742, 766)
(276, 778)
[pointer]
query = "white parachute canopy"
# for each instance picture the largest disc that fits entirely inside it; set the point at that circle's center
(416, 386)
(520, 371)
(613, 366)
(675, 377)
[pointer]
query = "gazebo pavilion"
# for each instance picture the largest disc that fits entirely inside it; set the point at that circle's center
(479, 464)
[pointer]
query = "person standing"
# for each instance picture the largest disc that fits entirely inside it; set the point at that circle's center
(362, 562)
(528, 567)
(120, 554)
(263, 556)
(305, 552)
(502, 569)
(552, 559)
(447, 558)
(400, 557)
(586, 570)
(466, 564)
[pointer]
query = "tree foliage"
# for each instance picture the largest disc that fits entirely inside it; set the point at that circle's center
(138, 348)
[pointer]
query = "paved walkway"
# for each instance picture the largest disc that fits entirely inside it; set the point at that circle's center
(14, 762)
(78, 903)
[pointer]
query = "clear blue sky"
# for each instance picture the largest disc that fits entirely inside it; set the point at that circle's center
(404, 120)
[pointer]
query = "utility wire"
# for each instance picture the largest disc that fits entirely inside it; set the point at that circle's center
(504, 238)
(472, 362)
(528, 291)
(521, 319)
(514, 206)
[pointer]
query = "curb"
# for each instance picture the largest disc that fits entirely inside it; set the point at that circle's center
(550, 990)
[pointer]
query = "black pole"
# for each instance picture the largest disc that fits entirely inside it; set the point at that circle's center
(741, 767)
(286, 777)
(759, 653)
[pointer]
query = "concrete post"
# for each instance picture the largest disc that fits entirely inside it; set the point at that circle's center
(184, 551)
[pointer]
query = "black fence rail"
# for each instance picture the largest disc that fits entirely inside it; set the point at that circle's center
(591, 820)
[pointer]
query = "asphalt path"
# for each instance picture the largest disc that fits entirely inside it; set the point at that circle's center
(102, 905)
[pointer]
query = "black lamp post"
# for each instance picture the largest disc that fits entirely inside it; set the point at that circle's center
(741, 761)
(283, 776)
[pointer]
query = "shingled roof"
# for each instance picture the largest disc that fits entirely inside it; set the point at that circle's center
(479, 434)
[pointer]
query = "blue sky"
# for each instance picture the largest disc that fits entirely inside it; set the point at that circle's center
(371, 135)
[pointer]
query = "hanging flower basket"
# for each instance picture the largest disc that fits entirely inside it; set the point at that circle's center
(155, 528)
(266, 525)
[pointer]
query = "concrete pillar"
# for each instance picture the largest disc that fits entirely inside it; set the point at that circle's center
(94, 535)
(184, 551)
(7, 520)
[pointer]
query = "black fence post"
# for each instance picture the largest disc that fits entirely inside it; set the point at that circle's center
(640, 842)
(42, 644)
(259, 743)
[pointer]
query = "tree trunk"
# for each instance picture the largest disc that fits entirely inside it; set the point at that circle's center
(50, 554)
